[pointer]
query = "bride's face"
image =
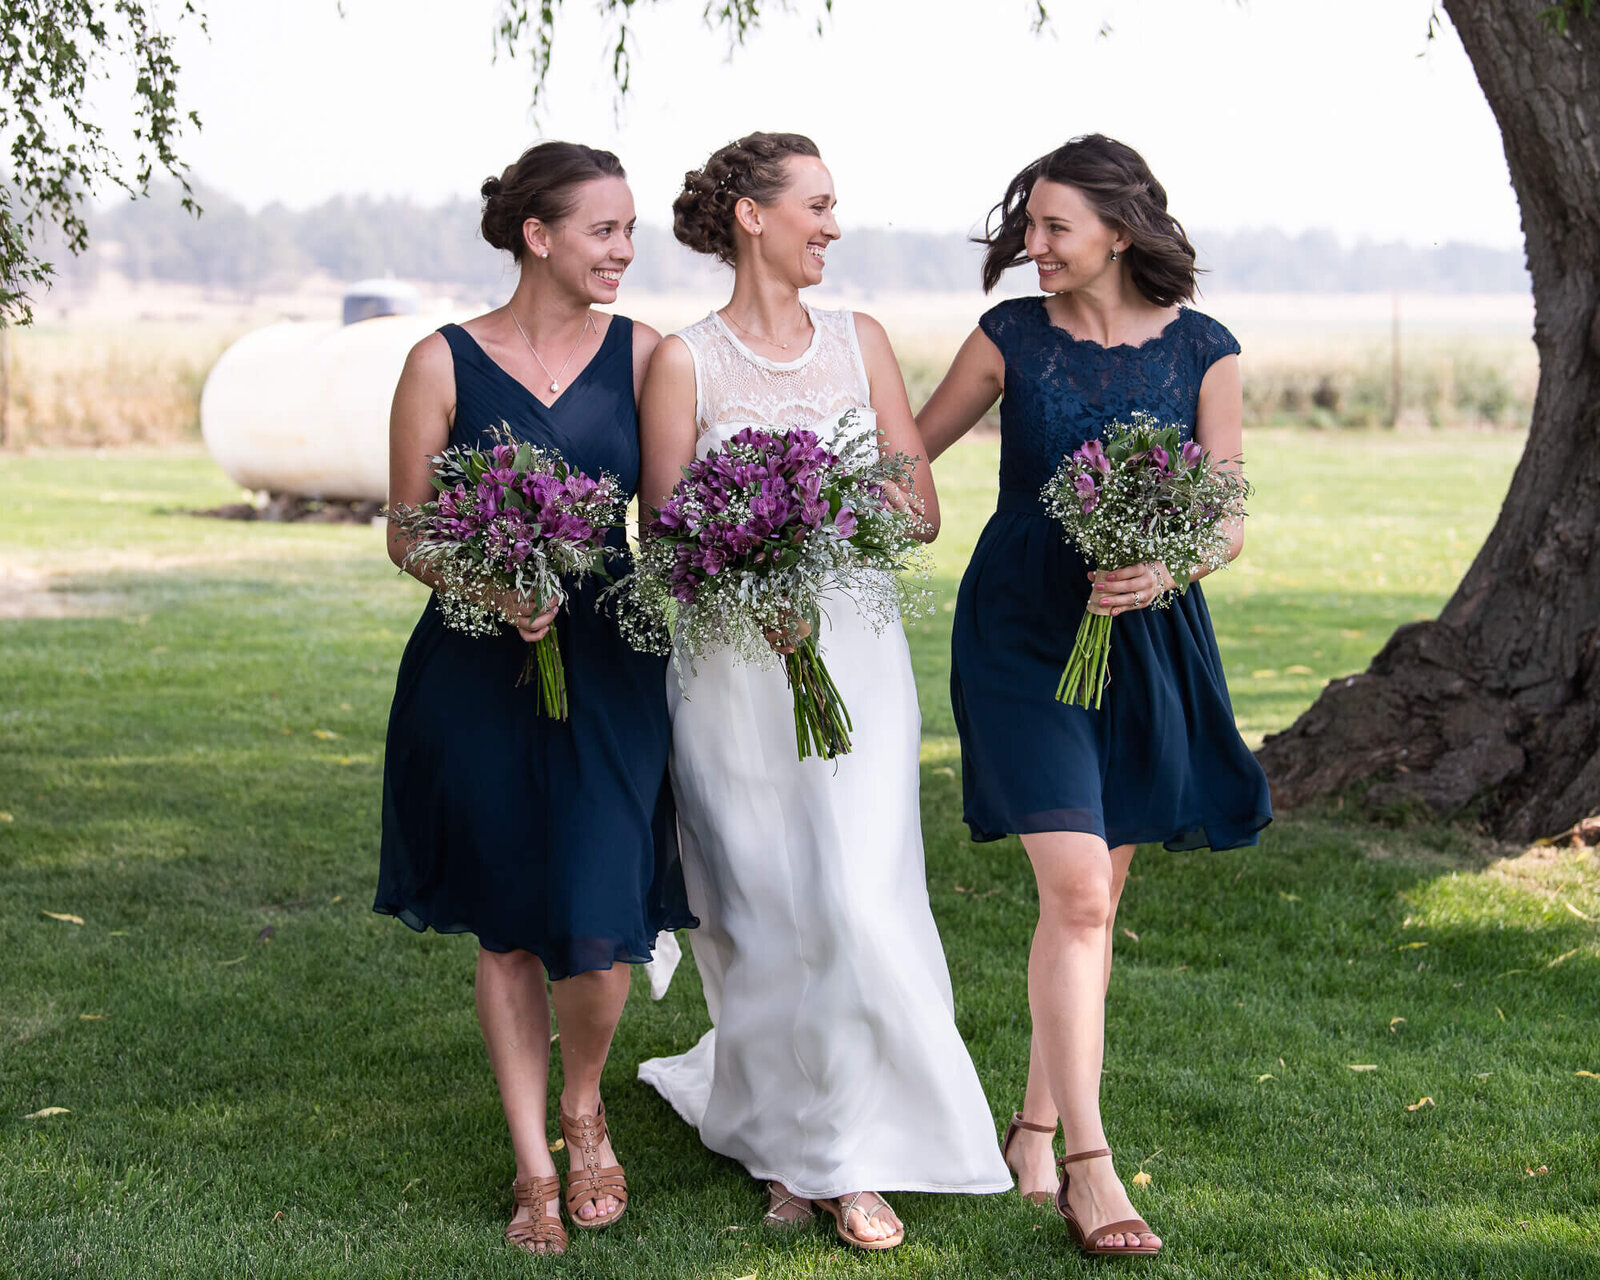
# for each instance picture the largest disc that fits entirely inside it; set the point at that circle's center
(1067, 241)
(792, 233)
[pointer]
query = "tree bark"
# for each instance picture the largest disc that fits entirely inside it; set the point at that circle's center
(1494, 707)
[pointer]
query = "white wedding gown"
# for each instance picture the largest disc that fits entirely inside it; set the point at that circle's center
(834, 1064)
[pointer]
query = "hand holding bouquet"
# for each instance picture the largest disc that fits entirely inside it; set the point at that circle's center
(1144, 494)
(740, 554)
(510, 520)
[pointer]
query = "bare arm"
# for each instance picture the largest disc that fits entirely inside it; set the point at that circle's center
(645, 341)
(895, 423)
(419, 427)
(976, 378)
(666, 423)
(1219, 430)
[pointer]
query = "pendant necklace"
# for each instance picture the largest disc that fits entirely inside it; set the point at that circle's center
(782, 346)
(555, 378)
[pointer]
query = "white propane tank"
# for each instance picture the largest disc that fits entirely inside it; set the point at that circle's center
(302, 407)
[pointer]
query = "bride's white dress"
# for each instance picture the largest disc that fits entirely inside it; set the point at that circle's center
(834, 1063)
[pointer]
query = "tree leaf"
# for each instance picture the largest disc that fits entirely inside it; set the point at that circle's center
(1363, 1066)
(1419, 1104)
(1394, 1025)
(327, 735)
(1141, 1179)
(1587, 1075)
(7, 818)
(1131, 934)
(62, 916)
(1268, 1076)
(47, 1112)
(558, 1145)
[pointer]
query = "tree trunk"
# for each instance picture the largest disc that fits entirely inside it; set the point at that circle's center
(1495, 706)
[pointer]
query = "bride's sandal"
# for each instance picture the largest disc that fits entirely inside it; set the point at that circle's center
(802, 1209)
(542, 1234)
(1017, 1122)
(1091, 1241)
(839, 1208)
(591, 1184)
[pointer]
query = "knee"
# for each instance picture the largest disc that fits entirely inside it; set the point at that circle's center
(1077, 903)
(513, 965)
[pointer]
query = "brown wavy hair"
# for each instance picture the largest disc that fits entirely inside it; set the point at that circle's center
(542, 184)
(753, 167)
(1121, 189)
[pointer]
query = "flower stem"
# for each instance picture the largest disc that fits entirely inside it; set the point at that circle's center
(544, 659)
(821, 722)
(1088, 669)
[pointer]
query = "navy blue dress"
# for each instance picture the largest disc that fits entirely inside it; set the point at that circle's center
(537, 835)
(1161, 760)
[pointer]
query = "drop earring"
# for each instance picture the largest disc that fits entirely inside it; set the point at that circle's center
(1113, 255)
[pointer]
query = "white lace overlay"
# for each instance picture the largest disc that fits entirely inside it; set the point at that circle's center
(834, 1064)
(734, 385)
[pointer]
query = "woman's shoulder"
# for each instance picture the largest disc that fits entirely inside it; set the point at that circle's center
(1207, 336)
(1005, 320)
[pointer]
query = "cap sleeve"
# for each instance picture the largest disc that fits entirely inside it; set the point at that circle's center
(1002, 322)
(1212, 342)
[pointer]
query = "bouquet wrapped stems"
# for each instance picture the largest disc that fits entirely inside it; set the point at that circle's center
(821, 722)
(1088, 670)
(544, 661)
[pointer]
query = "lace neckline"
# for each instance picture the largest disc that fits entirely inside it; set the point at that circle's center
(799, 362)
(1153, 340)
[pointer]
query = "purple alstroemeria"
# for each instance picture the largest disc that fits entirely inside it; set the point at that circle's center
(1192, 453)
(1093, 453)
(844, 524)
(1088, 491)
(1161, 459)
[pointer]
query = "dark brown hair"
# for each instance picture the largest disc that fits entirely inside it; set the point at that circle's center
(542, 184)
(753, 167)
(1120, 188)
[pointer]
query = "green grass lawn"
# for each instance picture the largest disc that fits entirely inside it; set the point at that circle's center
(264, 1079)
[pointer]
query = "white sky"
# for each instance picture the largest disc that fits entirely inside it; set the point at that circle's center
(1285, 113)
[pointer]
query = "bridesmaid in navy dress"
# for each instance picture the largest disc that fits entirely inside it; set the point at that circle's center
(554, 842)
(1160, 761)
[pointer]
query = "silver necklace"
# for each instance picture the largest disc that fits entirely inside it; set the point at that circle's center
(771, 342)
(555, 378)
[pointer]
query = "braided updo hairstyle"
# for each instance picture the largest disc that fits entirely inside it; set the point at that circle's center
(542, 184)
(753, 168)
(1120, 188)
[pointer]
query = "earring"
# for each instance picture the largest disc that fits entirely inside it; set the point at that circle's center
(1113, 255)
(545, 253)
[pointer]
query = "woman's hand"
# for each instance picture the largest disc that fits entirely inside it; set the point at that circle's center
(1114, 591)
(778, 639)
(531, 625)
(897, 498)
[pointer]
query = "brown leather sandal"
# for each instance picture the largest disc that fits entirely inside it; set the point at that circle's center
(839, 1209)
(1017, 1122)
(531, 1233)
(780, 1199)
(1091, 1241)
(591, 1183)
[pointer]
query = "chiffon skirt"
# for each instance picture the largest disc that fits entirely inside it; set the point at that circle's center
(834, 1063)
(1160, 761)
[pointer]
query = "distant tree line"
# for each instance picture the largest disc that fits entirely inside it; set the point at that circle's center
(350, 238)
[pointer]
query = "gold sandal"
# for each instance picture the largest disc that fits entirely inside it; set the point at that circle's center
(781, 1199)
(591, 1183)
(1017, 1122)
(839, 1209)
(530, 1233)
(1090, 1241)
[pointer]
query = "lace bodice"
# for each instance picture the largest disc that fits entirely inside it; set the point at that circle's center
(1061, 391)
(734, 387)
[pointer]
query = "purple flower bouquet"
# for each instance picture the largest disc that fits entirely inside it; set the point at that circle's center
(741, 553)
(510, 519)
(1144, 494)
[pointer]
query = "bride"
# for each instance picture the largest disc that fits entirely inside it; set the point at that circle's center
(834, 1068)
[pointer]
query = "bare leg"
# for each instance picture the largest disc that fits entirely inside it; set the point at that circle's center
(1078, 886)
(1032, 1153)
(588, 1008)
(514, 1014)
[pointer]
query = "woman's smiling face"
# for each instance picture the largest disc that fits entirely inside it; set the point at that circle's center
(798, 226)
(1065, 238)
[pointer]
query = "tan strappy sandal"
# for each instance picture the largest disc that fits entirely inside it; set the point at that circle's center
(1017, 1122)
(1090, 1241)
(839, 1209)
(591, 1183)
(531, 1233)
(781, 1200)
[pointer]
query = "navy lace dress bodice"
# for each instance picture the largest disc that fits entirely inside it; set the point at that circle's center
(554, 837)
(1161, 760)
